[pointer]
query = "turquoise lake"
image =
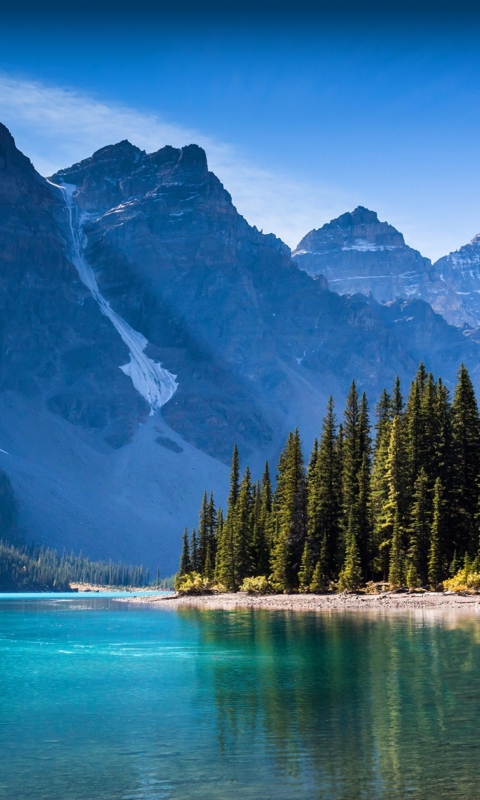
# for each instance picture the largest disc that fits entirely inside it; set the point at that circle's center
(101, 700)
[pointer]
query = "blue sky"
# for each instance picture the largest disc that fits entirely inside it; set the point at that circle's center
(303, 116)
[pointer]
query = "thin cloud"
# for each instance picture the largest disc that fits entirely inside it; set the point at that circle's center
(57, 127)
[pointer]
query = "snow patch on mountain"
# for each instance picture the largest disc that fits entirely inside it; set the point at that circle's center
(154, 383)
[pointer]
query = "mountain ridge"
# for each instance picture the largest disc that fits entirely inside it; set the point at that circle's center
(256, 344)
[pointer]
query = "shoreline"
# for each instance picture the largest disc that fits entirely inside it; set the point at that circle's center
(387, 601)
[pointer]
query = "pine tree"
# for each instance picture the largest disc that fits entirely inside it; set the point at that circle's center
(396, 566)
(379, 483)
(212, 524)
(243, 531)
(194, 561)
(420, 525)
(225, 566)
(352, 457)
(395, 501)
(203, 533)
(324, 504)
(234, 480)
(307, 567)
(290, 513)
(208, 568)
(350, 577)
(466, 463)
(397, 399)
(185, 565)
(436, 566)
(364, 493)
(320, 577)
(260, 544)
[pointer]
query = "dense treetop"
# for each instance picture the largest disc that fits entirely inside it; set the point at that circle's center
(398, 504)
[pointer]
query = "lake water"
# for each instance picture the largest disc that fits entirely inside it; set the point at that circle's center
(101, 700)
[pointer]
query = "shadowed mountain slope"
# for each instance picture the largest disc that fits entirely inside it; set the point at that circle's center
(256, 344)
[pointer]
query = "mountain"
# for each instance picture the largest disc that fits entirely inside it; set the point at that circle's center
(147, 327)
(358, 253)
(460, 271)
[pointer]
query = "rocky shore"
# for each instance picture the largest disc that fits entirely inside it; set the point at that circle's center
(386, 601)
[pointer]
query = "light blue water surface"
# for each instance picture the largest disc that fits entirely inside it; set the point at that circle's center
(101, 700)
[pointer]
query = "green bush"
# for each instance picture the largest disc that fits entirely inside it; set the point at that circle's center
(259, 585)
(466, 580)
(194, 583)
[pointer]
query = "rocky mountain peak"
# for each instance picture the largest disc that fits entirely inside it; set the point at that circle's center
(356, 230)
(357, 253)
(11, 159)
(359, 216)
(122, 172)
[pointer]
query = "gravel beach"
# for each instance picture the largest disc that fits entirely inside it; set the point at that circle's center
(387, 601)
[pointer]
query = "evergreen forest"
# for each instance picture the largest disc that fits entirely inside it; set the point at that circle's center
(393, 501)
(29, 568)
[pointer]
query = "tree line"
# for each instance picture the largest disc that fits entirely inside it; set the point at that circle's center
(396, 502)
(30, 568)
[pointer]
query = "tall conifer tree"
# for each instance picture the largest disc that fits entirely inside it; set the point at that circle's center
(185, 565)
(466, 462)
(436, 560)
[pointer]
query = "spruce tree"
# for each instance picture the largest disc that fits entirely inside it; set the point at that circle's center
(395, 500)
(307, 566)
(379, 483)
(324, 505)
(225, 566)
(436, 566)
(290, 513)
(364, 505)
(320, 578)
(420, 525)
(243, 531)
(466, 463)
(212, 524)
(350, 577)
(185, 565)
(203, 533)
(396, 566)
(260, 543)
(397, 399)
(352, 457)
(194, 561)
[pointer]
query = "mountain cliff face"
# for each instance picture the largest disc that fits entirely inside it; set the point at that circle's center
(460, 271)
(55, 345)
(249, 337)
(358, 253)
(165, 329)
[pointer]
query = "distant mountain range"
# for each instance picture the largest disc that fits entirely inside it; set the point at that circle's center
(146, 327)
(358, 253)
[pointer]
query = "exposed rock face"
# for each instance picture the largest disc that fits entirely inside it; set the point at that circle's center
(56, 345)
(256, 344)
(358, 253)
(460, 271)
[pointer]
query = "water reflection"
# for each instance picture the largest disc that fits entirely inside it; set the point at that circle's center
(354, 705)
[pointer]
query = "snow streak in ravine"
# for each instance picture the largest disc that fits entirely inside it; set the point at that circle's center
(154, 383)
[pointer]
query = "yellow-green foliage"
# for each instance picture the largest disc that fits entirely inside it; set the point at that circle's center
(194, 583)
(258, 585)
(466, 580)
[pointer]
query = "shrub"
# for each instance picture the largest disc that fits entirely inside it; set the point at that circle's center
(466, 580)
(194, 583)
(258, 585)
